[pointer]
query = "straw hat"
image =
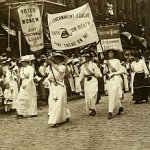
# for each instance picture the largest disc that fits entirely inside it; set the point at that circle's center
(25, 58)
(119, 54)
(75, 61)
(31, 57)
(69, 61)
(59, 54)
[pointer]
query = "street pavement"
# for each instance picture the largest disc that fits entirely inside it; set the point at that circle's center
(130, 131)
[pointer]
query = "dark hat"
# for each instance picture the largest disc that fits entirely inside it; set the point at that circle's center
(137, 54)
(59, 54)
(88, 54)
(118, 54)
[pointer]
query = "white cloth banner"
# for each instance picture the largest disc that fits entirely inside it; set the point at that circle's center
(72, 29)
(31, 25)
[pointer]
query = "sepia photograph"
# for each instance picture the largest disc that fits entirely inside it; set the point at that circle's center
(74, 74)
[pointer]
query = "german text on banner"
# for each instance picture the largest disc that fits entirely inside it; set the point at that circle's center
(31, 25)
(72, 29)
(110, 37)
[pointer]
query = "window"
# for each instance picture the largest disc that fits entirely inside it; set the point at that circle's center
(142, 5)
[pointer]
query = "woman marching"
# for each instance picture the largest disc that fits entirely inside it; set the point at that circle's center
(115, 92)
(58, 109)
(27, 100)
(42, 91)
(90, 72)
(140, 82)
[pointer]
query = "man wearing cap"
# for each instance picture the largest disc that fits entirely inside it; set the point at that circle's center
(90, 72)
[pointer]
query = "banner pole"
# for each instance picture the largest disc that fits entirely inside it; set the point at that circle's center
(19, 42)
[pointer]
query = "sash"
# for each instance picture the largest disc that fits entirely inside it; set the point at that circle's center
(110, 66)
(88, 70)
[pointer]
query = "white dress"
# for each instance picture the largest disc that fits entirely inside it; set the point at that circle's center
(76, 79)
(58, 108)
(27, 100)
(115, 92)
(15, 86)
(90, 87)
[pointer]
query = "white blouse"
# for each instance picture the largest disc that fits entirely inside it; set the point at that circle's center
(59, 76)
(139, 66)
(92, 67)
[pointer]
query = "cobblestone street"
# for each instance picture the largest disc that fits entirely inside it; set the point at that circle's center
(131, 131)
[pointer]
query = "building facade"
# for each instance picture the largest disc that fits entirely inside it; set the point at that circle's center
(105, 12)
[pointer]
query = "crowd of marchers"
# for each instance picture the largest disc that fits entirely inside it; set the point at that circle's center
(23, 82)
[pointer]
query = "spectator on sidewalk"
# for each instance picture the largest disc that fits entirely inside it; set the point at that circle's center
(8, 98)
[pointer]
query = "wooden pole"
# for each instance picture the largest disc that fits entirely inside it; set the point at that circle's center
(19, 42)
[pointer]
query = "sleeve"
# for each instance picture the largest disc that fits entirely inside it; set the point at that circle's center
(62, 69)
(41, 70)
(31, 75)
(97, 71)
(132, 67)
(145, 68)
(81, 75)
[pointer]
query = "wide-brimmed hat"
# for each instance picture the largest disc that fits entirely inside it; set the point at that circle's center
(25, 58)
(42, 57)
(58, 54)
(89, 54)
(31, 57)
(69, 61)
(8, 59)
(75, 61)
(118, 53)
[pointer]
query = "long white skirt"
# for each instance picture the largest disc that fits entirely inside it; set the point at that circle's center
(15, 92)
(77, 85)
(58, 108)
(90, 90)
(27, 100)
(115, 93)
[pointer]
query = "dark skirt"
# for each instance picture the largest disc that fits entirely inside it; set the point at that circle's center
(141, 87)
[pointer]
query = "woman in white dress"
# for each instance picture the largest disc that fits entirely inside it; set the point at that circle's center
(115, 92)
(58, 109)
(90, 72)
(27, 100)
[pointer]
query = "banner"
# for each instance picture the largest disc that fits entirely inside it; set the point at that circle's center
(72, 29)
(31, 25)
(110, 37)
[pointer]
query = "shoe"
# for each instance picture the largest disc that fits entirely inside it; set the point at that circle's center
(33, 116)
(93, 113)
(19, 116)
(110, 115)
(120, 111)
(55, 125)
(67, 120)
(137, 102)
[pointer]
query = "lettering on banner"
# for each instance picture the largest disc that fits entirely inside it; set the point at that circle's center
(72, 29)
(31, 24)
